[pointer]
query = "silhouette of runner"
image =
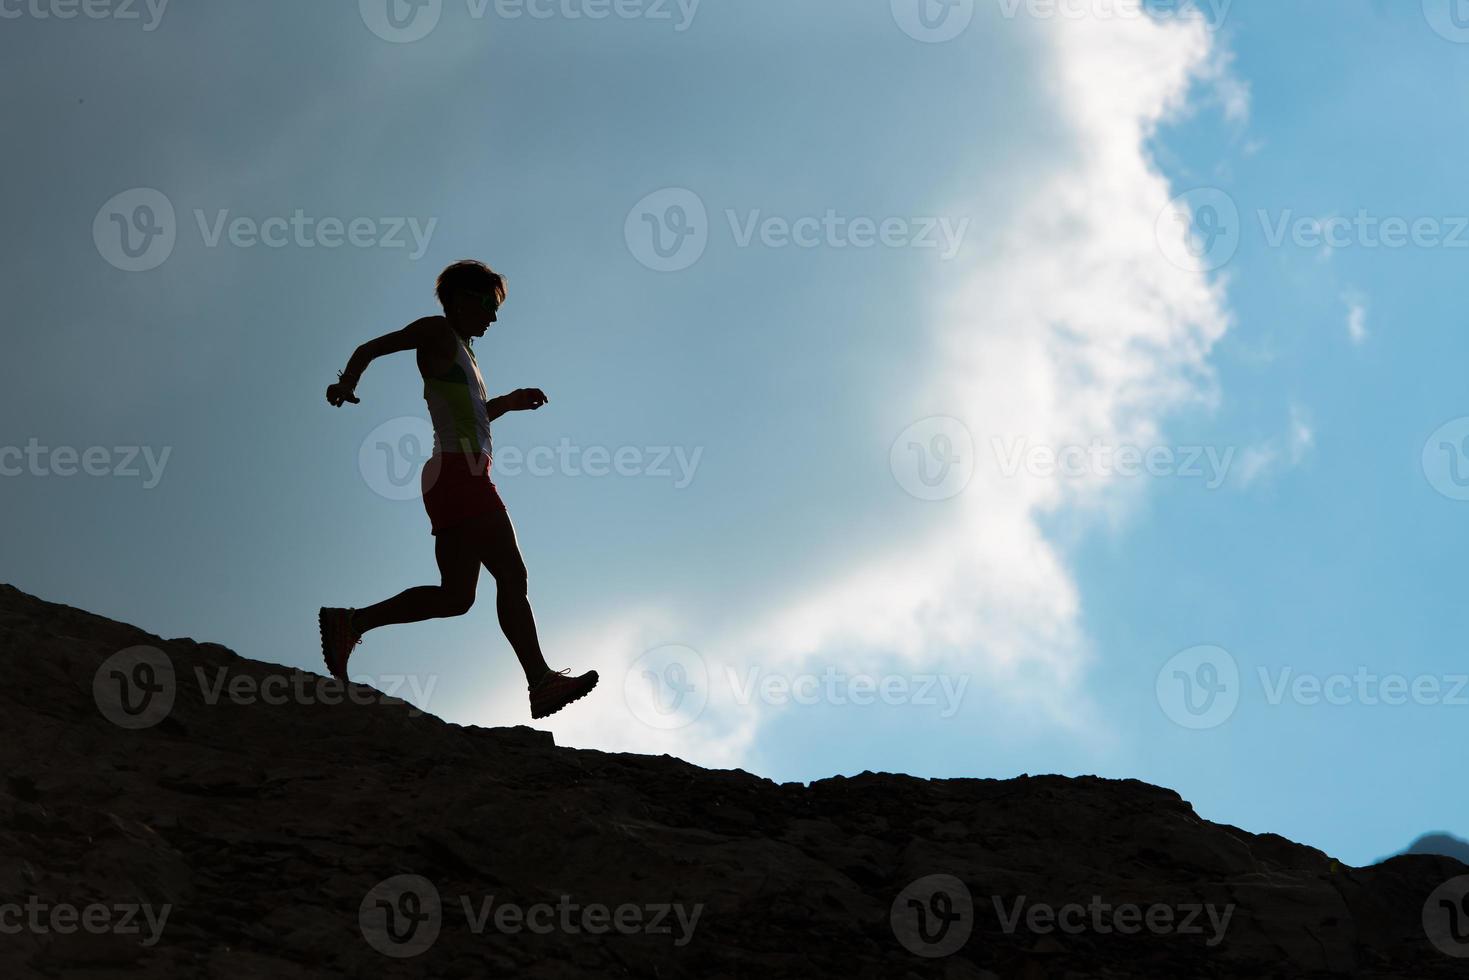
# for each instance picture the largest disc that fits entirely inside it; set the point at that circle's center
(470, 523)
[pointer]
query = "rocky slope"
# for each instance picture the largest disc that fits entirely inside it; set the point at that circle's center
(153, 825)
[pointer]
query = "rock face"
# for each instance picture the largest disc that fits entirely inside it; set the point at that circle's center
(155, 824)
(1446, 844)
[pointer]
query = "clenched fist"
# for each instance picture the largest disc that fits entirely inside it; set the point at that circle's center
(525, 399)
(338, 393)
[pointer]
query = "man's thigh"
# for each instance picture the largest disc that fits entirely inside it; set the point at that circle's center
(499, 550)
(457, 551)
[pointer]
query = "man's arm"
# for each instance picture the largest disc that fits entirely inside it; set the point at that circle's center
(409, 338)
(519, 400)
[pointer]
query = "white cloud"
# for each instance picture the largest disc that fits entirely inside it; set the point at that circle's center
(1254, 461)
(1283, 451)
(1232, 93)
(1301, 435)
(1080, 330)
(1357, 318)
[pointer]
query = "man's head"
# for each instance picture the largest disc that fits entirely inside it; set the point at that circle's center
(470, 293)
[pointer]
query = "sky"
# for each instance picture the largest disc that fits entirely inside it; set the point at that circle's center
(958, 389)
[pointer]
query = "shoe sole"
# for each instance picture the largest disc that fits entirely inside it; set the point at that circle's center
(537, 715)
(326, 656)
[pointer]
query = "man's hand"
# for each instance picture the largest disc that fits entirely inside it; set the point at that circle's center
(412, 337)
(523, 399)
(340, 392)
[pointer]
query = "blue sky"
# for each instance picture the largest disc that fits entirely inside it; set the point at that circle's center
(993, 275)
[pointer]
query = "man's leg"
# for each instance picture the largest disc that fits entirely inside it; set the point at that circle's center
(458, 553)
(549, 691)
(500, 553)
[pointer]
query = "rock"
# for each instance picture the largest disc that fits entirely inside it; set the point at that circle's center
(330, 835)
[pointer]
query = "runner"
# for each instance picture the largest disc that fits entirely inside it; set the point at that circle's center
(470, 524)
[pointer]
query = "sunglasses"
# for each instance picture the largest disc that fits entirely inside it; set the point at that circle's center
(487, 301)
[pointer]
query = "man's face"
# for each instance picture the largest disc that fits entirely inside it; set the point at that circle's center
(476, 311)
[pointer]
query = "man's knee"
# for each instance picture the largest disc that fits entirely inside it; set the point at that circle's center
(511, 577)
(457, 602)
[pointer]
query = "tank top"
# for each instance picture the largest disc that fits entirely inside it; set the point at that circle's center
(456, 405)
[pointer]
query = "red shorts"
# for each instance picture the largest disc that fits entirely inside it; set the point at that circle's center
(457, 487)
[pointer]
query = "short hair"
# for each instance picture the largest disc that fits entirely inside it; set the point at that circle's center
(469, 276)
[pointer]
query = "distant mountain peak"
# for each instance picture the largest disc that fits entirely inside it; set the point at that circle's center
(1440, 843)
